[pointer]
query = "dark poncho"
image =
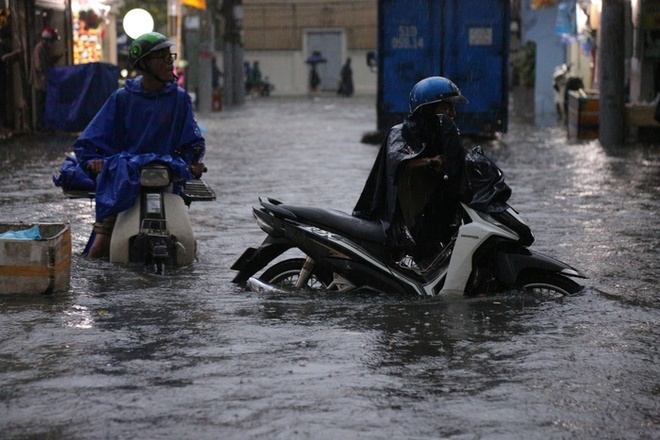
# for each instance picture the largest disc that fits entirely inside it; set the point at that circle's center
(379, 200)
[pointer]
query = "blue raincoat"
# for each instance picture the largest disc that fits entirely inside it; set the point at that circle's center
(135, 127)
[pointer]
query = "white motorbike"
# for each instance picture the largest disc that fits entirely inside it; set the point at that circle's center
(156, 230)
(488, 254)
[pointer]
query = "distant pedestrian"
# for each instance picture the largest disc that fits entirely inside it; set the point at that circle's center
(216, 75)
(255, 80)
(43, 59)
(181, 77)
(314, 78)
(314, 81)
(247, 69)
(346, 79)
(180, 73)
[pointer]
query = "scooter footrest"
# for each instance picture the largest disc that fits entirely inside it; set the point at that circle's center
(78, 194)
(198, 191)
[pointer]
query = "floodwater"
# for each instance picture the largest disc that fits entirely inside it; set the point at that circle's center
(126, 354)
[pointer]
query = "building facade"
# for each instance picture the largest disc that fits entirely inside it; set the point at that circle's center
(282, 35)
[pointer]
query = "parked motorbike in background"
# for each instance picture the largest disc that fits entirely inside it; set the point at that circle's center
(563, 81)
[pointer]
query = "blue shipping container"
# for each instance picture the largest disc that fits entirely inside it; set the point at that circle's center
(466, 41)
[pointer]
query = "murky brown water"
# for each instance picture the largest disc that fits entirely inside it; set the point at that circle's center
(125, 354)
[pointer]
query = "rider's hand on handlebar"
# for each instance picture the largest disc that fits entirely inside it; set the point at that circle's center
(435, 163)
(197, 169)
(95, 165)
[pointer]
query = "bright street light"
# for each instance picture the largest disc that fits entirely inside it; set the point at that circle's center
(137, 22)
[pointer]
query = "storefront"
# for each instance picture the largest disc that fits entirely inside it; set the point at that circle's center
(86, 27)
(568, 41)
(93, 32)
(87, 34)
(644, 70)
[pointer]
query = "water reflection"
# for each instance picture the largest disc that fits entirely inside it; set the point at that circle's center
(79, 317)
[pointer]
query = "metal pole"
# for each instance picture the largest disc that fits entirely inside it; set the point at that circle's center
(233, 53)
(205, 87)
(611, 52)
(228, 62)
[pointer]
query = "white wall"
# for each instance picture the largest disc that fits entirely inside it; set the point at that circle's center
(539, 26)
(289, 73)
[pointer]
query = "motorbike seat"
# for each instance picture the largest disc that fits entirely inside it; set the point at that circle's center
(335, 220)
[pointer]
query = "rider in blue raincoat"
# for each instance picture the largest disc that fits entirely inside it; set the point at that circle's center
(150, 119)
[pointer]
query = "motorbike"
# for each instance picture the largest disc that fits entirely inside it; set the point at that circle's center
(156, 230)
(563, 81)
(488, 254)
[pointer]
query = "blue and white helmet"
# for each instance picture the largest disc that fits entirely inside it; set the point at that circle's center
(432, 90)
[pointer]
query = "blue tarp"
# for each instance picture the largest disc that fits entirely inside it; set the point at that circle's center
(76, 93)
(25, 234)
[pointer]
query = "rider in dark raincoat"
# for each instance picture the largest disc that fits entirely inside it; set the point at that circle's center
(413, 188)
(150, 119)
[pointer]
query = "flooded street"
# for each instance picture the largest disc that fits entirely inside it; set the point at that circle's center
(126, 354)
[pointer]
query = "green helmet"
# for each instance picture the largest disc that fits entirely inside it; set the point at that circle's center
(145, 44)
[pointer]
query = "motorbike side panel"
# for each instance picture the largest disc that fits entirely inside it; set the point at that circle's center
(470, 238)
(253, 260)
(511, 265)
(178, 223)
(353, 261)
(126, 226)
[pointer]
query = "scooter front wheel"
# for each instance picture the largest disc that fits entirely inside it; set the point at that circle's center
(285, 274)
(548, 285)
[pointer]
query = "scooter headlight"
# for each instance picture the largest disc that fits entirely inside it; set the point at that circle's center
(156, 176)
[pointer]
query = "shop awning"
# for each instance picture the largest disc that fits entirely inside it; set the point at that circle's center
(58, 5)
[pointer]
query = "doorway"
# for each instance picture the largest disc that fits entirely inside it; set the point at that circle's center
(329, 44)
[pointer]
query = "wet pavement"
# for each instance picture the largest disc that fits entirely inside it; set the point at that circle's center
(127, 354)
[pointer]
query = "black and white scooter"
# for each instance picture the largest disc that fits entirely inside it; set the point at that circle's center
(489, 254)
